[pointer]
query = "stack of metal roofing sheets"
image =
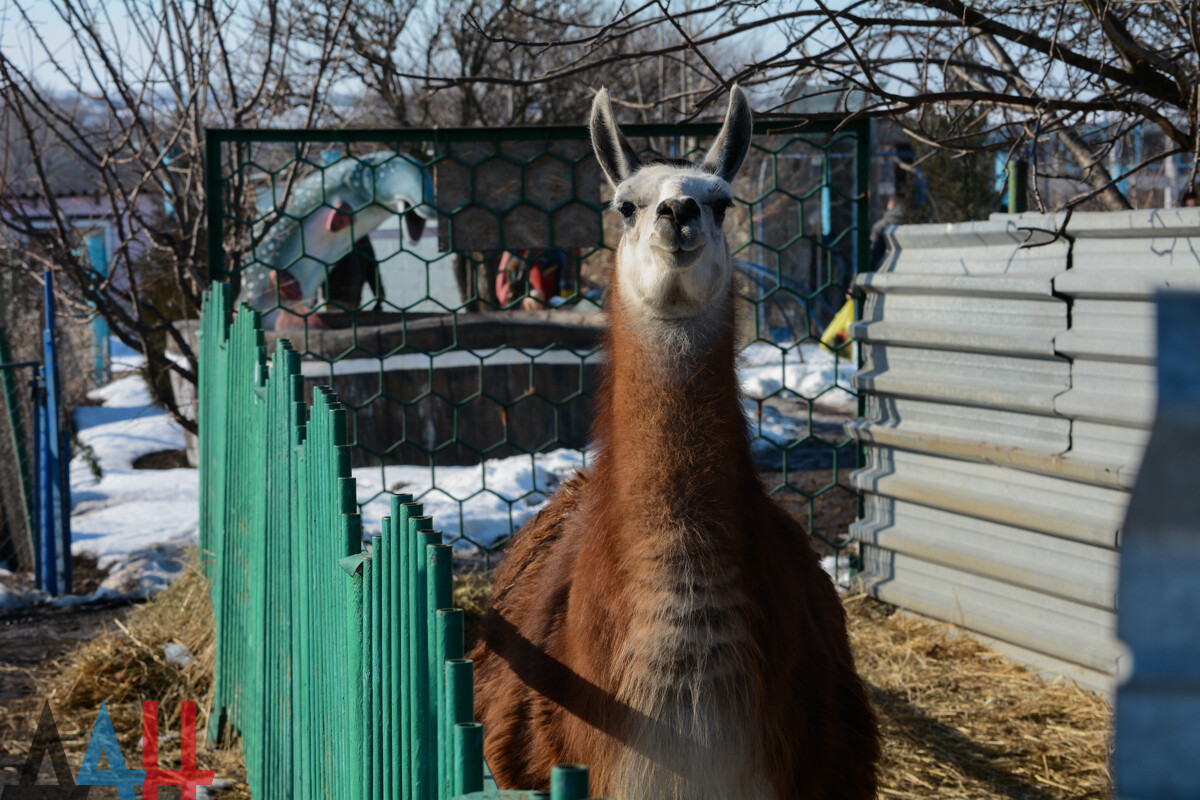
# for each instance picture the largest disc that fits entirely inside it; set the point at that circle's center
(1009, 383)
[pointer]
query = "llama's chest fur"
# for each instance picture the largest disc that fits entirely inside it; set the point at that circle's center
(688, 669)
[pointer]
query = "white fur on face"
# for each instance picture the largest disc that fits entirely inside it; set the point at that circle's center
(657, 279)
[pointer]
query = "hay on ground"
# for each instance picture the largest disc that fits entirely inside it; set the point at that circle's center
(961, 721)
(129, 664)
(958, 720)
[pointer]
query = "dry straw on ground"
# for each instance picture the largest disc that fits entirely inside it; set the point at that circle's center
(127, 665)
(959, 721)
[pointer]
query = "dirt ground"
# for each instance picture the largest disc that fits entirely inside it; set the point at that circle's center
(960, 722)
(76, 656)
(32, 643)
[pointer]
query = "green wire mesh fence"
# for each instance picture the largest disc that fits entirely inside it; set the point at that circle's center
(447, 285)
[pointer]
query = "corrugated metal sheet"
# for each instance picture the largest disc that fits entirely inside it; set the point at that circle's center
(1057, 566)
(1009, 394)
(1034, 620)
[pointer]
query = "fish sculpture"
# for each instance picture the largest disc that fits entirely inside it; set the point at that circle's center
(325, 213)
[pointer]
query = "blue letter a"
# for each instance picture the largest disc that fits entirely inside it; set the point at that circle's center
(103, 742)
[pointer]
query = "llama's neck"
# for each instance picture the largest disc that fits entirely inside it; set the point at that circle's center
(673, 441)
(675, 470)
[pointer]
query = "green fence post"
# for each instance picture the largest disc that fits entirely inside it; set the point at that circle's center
(405, 624)
(417, 682)
(468, 758)
(401, 508)
(387, 613)
(458, 704)
(367, 764)
(378, 748)
(448, 645)
(357, 706)
(568, 782)
(437, 596)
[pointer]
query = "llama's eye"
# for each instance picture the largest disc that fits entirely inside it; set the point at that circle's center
(719, 208)
(627, 209)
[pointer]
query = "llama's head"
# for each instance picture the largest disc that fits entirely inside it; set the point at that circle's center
(673, 261)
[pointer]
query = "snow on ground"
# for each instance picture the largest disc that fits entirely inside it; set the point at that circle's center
(123, 357)
(485, 491)
(139, 522)
(14, 597)
(136, 522)
(807, 371)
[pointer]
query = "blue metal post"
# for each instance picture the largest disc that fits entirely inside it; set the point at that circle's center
(38, 479)
(56, 527)
(46, 480)
(826, 199)
(102, 346)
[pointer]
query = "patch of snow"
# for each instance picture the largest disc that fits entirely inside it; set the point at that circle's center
(135, 521)
(123, 357)
(807, 370)
(13, 598)
(837, 567)
(775, 426)
(147, 571)
(485, 492)
(178, 654)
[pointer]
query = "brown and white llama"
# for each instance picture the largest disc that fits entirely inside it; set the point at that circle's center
(662, 619)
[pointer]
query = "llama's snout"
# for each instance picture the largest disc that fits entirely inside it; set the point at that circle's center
(678, 225)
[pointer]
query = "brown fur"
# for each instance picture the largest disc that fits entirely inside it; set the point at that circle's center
(672, 495)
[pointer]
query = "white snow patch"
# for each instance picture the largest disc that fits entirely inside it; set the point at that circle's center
(775, 426)
(808, 370)
(838, 568)
(137, 522)
(13, 598)
(123, 357)
(485, 491)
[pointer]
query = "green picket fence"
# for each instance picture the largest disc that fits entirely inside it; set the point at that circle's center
(340, 669)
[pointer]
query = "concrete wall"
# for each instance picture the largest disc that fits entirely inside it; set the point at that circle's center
(1009, 383)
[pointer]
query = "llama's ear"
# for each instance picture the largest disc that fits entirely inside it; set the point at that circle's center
(733, 142)
(616, 156)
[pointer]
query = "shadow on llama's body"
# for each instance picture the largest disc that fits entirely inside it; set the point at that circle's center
(662, 619)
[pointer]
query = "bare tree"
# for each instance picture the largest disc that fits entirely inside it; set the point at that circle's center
(121, 136)
(1011, 76)
(470, 62)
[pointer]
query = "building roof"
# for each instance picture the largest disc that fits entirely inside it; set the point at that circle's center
(65, 171)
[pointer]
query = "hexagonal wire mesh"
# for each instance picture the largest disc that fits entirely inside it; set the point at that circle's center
(447, 284)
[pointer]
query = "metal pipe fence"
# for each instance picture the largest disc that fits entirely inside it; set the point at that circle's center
(340, 668)
(39, 531)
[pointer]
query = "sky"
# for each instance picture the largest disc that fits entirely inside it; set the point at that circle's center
(21, 46)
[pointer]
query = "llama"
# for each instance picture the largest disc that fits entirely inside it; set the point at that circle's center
(662, 619)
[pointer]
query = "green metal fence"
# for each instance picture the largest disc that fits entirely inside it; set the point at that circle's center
(341, 669)
(453, 390)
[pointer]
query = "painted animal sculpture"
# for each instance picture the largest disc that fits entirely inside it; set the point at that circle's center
(662, 619)
(326, 211)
